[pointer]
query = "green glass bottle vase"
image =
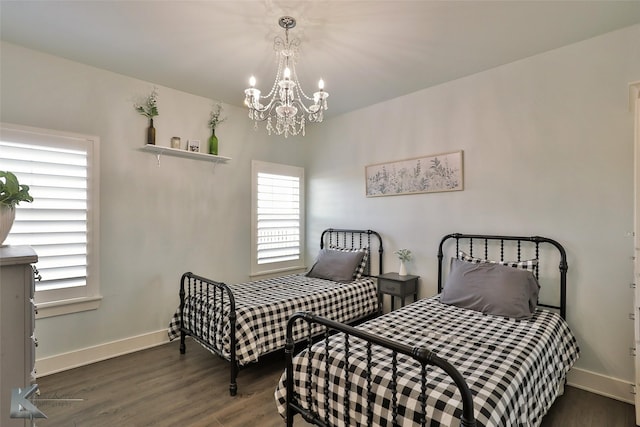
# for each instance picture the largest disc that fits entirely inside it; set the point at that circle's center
(151, 133)
(213, 143)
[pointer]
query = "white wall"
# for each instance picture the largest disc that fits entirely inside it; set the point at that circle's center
(156, 222)
(548, 150)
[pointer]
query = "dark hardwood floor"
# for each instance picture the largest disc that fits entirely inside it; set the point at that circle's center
(161, 387)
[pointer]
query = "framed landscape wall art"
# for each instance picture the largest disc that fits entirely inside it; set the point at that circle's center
(428, 174)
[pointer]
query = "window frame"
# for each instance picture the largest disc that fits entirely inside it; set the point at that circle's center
(57, 302)
(281, 266)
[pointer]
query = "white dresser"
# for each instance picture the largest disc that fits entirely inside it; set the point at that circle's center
(17, 322)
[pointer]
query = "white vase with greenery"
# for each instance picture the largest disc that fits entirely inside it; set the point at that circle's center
(405, 256)
(11, 193)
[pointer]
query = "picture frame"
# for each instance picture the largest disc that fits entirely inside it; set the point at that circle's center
(427, 174)
(193, 145)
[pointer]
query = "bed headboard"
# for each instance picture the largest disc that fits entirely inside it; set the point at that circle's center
(356, 239)
(553, 292)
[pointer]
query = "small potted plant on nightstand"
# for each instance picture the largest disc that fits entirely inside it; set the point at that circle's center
(405, 256)
(11, 193)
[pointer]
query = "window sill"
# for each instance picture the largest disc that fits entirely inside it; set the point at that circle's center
(276, 272)
(60, 308)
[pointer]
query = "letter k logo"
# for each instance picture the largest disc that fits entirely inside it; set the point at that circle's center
(21, 407)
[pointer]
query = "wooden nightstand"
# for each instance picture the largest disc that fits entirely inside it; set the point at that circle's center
(397, 286)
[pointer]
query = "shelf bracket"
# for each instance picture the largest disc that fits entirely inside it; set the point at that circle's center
(158, 158)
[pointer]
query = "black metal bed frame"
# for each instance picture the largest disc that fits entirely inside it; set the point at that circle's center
(422, 355)
(346, 238)
(485, 239)
(206, 293)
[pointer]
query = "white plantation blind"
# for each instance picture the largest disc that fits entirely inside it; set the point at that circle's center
(59, 223)
(55, 224)
(278, 216)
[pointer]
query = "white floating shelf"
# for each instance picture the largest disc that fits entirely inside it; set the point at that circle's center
(160, 150)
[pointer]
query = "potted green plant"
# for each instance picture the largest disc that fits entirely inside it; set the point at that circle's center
(11, 193)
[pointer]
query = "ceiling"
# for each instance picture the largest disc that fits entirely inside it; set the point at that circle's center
(366, 51)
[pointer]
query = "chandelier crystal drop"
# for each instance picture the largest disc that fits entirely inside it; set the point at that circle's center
(285, 102)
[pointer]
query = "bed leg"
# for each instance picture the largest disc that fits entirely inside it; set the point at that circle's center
(233, 385)
(289, 348)
(183, 347)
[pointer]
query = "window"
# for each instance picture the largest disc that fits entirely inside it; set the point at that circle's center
(277, 218)
(61, 224)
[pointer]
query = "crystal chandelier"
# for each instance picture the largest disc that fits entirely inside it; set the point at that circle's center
(286, 101)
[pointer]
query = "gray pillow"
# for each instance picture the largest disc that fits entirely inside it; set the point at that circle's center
(339, 266)
(363, 264)
(491, 289)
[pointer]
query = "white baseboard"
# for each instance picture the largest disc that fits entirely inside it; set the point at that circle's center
(601, 384)
(73, 359)
(579, 378)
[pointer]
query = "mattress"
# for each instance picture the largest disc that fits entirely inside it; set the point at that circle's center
(513, 368)
(264, 306)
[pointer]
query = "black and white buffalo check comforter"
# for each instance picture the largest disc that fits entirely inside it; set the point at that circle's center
(264, 306)
(514, 368)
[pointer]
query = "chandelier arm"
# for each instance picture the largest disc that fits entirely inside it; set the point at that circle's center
(316, 114)
(264, 113)
(302, 106)
(321, 103)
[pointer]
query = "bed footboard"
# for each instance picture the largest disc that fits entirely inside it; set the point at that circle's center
(422, 355)
(203, 304)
